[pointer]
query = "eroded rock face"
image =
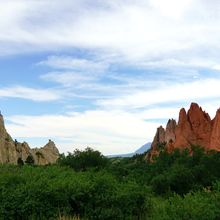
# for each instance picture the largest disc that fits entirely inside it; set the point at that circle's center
(183, 130)
(47, 154)
(194, 128)
(8, 151)
(159, 137)
(215, 134)
(11, 150)
(201, 125)
(170, 136)
(23, 150)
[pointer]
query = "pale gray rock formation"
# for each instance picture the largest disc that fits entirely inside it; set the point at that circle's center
(11, 150)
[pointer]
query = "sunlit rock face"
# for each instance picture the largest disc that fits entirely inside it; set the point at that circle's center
(47, 154)
(11, 150)
(194, 127)
(215, 134)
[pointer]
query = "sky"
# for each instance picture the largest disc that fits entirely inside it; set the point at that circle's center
(105, 74)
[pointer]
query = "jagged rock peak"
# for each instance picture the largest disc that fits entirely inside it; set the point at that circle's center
(194, 105)
(47, 154)
(171, 123)
(11, 150)
(194, 127)
(182, 116)
(51, 146)
(215, 134)
(159, 137)
(196, 109)
(201, 125)
(170, 131)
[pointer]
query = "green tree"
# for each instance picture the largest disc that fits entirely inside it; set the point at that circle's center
(83, 160)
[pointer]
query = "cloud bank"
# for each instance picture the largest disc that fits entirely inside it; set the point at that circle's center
(127, 65)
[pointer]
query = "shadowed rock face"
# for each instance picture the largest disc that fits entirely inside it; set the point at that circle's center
(11, 150)
(194, 127)
(163, 136)
(159, 137)
(170, 131)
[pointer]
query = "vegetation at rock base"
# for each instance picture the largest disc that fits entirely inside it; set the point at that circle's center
(86, 185)
(83, 160)
(29, 160)
(20, 162)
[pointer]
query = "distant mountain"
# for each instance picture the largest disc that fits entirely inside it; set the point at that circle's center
(140, 150)
(143, 148)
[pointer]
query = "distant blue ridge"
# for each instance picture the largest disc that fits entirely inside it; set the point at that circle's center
(140, 150)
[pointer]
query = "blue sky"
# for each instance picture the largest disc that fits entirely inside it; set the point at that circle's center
(105, 74)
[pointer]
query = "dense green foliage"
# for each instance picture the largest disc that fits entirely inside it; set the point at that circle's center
(176, 186)
(83, 160)
(46, 192)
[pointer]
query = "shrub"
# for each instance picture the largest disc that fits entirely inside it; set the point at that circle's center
(83, 160)
(52, 191)
(193, 206)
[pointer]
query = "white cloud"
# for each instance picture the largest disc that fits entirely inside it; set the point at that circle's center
(183, 63)
(109, 131)
(126, 30)
(68, 78)
(171, 8)
(82, 85)
(71, 63)
(72, 71)
(30, 93)
(178, 92)
(142, 34)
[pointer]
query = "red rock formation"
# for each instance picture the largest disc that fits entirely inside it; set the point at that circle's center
(183, 132)
(159, 137)
(215, 134)
(201, 125)
(170, 131)
(194, 128)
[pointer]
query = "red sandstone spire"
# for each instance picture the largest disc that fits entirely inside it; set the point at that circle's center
(194, 127)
